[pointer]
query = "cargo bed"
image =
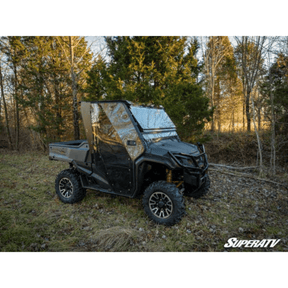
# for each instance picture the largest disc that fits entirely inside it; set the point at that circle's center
(77, 150)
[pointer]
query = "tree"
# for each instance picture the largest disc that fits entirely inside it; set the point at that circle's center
(5, 108)
(78, 56)
(13, 50)
(155, 70)
(45, 86)
(228, 96)
(227, 88)
(95, 82)
(43, 75)
(249, 53)
(218, 52)
(0, 108)
(274, 87)
(279, 81)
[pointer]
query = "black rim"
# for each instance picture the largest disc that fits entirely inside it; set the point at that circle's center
(66, 187)
(160, 205)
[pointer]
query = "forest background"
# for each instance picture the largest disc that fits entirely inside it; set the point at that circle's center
(126, 18)
(230, 92)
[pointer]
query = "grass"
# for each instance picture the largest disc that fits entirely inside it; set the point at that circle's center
(242, 147)
(33, 219)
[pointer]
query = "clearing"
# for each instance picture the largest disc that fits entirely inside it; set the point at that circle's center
(33, 219)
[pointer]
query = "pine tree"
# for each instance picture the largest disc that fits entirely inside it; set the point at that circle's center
(276, 82)
(46, 86)
(78, 57)
(14, 52)
(5, 109)
(95, 88)
(43, 71)
(156, 70)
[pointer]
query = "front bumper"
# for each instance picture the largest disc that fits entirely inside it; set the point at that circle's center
(195, 167)
(195, 180)
(197, 163)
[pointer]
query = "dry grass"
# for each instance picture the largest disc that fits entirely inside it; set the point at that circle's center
(113, 239)
(33, 219)
(242, 148)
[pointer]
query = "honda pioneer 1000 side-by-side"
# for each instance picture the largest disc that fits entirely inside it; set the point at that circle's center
(132, 150)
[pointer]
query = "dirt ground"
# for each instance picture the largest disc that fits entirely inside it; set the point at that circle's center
(33, 219)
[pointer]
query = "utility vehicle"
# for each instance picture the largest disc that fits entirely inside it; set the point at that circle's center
(132, 150)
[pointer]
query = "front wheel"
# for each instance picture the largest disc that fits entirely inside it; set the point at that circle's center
(68, 187)
(163, 203)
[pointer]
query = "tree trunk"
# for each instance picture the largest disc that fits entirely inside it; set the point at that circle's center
(30, 130)
(233, 120)
(273, 150)
(0, 110)
(74, 92)
(17, 122)
(58, 111)
(258, 141)
(247, 111)
(259, 119)
(243, 115)
(218, 114)
(212, 84)
(219, 117)
(5, 110)
(212, 101)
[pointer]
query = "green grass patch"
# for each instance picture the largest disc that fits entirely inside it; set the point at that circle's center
(33, 219)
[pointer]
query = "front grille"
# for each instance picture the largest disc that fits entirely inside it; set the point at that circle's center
(190, 161)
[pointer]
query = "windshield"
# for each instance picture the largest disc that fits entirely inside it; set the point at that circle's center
(155, 123)
(151, 118)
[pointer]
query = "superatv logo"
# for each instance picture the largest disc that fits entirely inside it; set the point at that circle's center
(234, 242)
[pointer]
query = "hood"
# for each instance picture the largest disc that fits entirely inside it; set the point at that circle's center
(162, 147)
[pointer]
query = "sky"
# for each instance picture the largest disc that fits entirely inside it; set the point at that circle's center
(96, 43)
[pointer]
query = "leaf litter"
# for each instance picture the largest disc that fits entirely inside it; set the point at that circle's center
(33, 219)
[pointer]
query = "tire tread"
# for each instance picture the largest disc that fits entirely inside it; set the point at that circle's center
(177, 199)
(78, 192)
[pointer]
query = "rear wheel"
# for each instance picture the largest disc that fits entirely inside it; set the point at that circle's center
(163, 203)
(68, 187)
